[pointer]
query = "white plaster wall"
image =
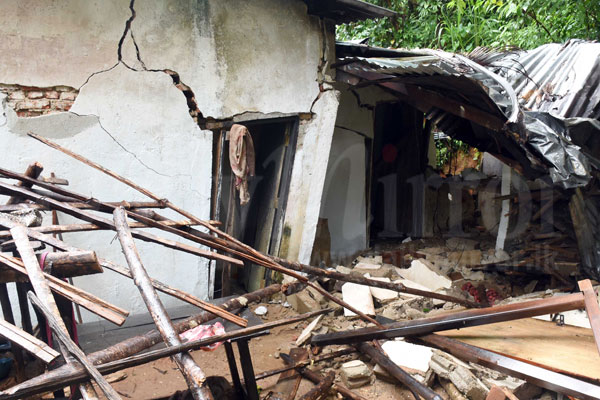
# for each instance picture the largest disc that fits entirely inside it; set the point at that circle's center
(308, 177)
(237, 56)
(62, 42)
(344, 202)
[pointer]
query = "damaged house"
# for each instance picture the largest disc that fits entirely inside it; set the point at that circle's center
(289, 149)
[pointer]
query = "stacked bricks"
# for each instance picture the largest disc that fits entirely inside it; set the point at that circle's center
(30, 101)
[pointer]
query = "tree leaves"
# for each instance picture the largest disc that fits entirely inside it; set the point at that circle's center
(462, 25)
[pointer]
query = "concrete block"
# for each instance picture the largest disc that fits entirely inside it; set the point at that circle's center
(343, 270)
(459, 374)
(407, 355)
(355, 374)
(421, 272)
(359, 297)
(382, 295)
(370, 260)
(303, 302)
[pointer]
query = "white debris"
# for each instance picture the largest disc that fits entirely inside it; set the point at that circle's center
(307, 332)
(421, 272)
(408, 355)
(261, 310)
(382, 295)
(359, 297)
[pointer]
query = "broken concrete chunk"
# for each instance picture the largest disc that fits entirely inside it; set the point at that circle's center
(407, 355)
(307, 332)
(459, 374)
(303, 302)
(355, 374)
(465, 258)
(421, 272)
(359, 297)
(382, 295)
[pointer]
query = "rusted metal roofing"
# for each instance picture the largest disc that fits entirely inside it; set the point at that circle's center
(562, 79)
(545, 102)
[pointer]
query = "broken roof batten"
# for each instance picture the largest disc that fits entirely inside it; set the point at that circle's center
(343, 11)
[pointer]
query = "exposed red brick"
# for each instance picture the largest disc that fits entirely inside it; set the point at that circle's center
(33, 104)
(35, 94)
(61, 105)
(18, 95)
(68, 95)
(51, 94)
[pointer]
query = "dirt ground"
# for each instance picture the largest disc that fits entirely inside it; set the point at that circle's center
(162, 378)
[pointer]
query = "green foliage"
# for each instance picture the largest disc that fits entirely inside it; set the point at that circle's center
(462, 25)
(447, 149)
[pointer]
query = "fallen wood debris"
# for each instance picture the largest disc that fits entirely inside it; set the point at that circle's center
(452, 283)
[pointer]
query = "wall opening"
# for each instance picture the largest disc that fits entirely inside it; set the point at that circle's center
(259, 223)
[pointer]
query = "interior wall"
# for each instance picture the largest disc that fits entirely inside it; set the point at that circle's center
(344, 199)
(345, 193)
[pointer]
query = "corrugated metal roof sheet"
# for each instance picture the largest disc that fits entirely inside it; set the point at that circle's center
(561, 79)
(555, 89)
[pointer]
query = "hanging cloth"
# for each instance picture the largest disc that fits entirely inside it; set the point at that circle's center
(241, 158)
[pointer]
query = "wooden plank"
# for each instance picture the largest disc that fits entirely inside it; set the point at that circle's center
(92, 303)
(180, 294)
(591, 308)
(40, 286)
(565, 349)
(72, 263)
(56, 324)
(192, 373)
(30, 343)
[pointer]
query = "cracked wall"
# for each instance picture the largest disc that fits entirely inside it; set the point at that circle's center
(140, 74)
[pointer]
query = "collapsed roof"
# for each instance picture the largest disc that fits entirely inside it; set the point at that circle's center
(536, 110)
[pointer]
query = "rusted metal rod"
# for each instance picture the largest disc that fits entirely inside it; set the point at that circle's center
(106, 223)
(531, 373)
(316, 377)
(463, 319)
(89, 227)
(416, 388)
(321, 390)
(134, 205)
(322, 357)
(52, 380)
(195, 378)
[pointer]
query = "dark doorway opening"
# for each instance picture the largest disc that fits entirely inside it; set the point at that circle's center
(258, 223)
(399, 161)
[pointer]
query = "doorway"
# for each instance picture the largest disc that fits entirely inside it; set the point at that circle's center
(258, 223)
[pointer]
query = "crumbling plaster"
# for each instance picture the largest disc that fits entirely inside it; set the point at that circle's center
(238, 57)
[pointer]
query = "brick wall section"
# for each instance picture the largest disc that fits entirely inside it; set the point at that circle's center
(35, 101)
